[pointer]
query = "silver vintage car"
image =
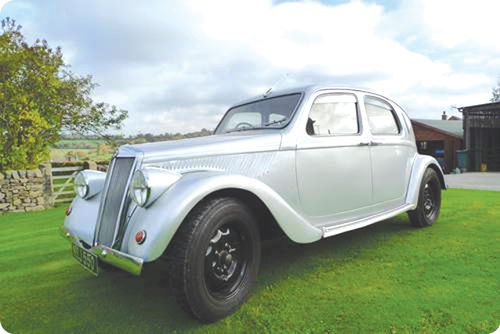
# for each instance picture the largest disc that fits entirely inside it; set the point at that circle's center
(309, 163)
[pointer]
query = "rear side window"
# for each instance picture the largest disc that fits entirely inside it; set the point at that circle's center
(381, 117)
(333, 114)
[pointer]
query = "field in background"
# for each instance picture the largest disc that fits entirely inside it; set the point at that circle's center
(97, 149)
(80, 149)
(385, 278)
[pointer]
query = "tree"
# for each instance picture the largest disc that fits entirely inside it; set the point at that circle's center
(495, 93)
(40, 97)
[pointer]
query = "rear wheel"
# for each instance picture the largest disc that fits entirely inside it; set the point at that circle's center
(214, 258)
(429, 200)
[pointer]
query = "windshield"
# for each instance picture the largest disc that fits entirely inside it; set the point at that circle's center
(274, 112)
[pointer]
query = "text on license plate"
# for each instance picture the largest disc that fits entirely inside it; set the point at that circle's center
(86, 259)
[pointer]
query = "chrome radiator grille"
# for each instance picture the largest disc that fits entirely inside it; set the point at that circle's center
(113, 206)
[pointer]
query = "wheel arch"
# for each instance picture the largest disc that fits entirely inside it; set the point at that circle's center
(420, 165)
(440, 174)
(268, 226)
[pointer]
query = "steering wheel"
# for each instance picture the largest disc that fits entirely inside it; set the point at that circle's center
(243, 124)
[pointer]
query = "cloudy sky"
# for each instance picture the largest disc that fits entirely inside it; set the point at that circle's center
(178, 65)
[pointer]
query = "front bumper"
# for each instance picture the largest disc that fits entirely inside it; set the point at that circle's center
(126, 262)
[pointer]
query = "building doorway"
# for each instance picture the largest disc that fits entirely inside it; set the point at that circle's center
(433, 148)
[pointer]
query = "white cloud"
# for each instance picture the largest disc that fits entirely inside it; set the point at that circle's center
(454, 24)
(3, 3)
(176, 66)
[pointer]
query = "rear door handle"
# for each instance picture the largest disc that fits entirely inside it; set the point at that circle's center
(374, 143)
(364, 143)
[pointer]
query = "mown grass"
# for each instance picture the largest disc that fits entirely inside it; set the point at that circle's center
(386, 278)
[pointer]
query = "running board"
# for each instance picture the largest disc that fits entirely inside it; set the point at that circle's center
(337, 229)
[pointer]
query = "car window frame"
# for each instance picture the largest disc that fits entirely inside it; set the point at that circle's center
(292, 114)
(393, 112)
(358, 117)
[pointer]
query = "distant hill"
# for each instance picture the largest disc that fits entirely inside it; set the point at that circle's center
(77, 147)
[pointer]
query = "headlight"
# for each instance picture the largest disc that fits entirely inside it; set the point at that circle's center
(139, 189)
(149, 183)
(81, 186)
(89, 183)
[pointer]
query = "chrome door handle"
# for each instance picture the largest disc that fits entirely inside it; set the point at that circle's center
(374, 143)
(364, 143)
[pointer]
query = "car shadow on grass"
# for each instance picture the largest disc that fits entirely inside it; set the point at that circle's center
(284, 256)
(118, 300)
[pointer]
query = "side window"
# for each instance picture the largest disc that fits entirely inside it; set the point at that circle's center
(333, 114)
(381, 117)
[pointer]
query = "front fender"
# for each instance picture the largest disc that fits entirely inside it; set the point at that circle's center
(82, 220)
(162, 219)
(420, 165)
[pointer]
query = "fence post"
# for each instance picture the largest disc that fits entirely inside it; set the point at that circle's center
(48, 187)
(90, 165)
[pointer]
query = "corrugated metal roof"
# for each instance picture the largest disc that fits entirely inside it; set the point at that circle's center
(491, 105)
(453, 127)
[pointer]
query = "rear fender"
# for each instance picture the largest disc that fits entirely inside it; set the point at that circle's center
(420, 165)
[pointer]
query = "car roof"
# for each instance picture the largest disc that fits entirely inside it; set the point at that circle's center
(309, 89)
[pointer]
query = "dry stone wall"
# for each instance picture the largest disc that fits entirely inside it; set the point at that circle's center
(26, 190)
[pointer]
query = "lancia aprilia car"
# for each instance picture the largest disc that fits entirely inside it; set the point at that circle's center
(308, 162)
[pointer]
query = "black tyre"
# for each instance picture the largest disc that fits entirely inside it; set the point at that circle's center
(214, 257)
(429, 200)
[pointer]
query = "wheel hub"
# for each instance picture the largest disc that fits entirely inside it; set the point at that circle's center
(222, 256)
(228, 259)
(428, 200)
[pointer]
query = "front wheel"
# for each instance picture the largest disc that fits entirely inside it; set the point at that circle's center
(214, 258)
(429, 200)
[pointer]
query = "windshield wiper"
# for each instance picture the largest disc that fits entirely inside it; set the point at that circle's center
(264, 126)
(243, 129)
(275, 122)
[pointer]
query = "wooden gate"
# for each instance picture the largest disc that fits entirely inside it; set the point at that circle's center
(62, 182)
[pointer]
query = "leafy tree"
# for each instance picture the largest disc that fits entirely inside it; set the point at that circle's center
(495, 93)
(40, 97)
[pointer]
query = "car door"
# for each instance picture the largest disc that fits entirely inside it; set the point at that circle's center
(333, 161)
(391, 152)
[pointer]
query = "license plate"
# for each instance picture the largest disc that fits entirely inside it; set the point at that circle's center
(86, 259)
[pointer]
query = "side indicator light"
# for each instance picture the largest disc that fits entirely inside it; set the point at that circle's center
(68, 210)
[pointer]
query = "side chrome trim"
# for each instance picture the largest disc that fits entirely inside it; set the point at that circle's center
(337, 229)
(126, 262)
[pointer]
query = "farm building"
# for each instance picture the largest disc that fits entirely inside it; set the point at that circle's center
(482, 135)
(440, 138)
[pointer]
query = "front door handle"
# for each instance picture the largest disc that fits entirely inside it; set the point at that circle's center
(374, 143)
(364, 143)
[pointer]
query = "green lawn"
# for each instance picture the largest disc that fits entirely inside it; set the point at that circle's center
(386, 278)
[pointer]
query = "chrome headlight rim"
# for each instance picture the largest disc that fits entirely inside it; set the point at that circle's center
(81, 185)
(89, 183)
(139, 188)
(149, 183)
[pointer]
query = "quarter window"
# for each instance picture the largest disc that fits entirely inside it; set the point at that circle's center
(333, 114)
(381, 117)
